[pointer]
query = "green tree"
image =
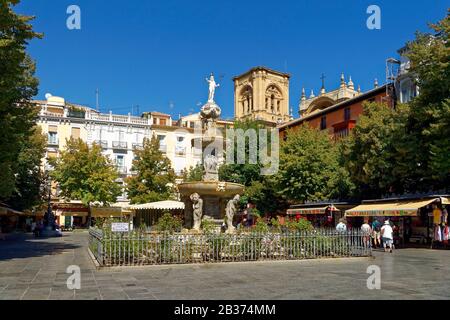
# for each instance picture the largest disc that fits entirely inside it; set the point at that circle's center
(154, 174)
(429, 122)
(17, 86)
(375, 150)
(259, 190)
(84, 173)
(247, 172)
(309, 167)
(193, 174)
(29, 178)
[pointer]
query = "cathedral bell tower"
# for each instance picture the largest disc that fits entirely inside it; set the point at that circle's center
(262, 94)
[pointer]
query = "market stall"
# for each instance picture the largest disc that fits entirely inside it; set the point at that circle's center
(148, 214)
(410, 217)
(9, 218)
(320, 214)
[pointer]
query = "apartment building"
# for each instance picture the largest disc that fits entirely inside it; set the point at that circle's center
(118, 135)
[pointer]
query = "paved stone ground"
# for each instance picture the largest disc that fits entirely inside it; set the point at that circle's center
(36, 269)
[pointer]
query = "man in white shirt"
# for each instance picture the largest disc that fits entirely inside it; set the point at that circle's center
(341, 227)
(387, 234)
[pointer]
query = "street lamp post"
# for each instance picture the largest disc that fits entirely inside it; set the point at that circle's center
(49, 219)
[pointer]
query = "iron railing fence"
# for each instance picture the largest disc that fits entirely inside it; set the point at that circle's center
(138, 248)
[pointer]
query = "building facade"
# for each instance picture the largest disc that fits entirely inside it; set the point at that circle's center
(405, 81)
(262, 94)
(118, 135)
(338, 119)
(326, 99)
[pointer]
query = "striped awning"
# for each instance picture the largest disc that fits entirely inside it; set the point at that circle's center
(5, 211)
(106, 212)
(393, 209)
(317, 210)
(160, 205)
(74, 214)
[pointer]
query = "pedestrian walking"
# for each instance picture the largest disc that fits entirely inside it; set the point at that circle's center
(387, 235)
(376, 229)
(366, 231)
(33, 226)
(342, 226)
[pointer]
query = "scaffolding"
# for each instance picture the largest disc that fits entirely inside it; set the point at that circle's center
(392, 72)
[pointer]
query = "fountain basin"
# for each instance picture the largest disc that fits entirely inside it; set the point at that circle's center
(211, 188)
(215, 195)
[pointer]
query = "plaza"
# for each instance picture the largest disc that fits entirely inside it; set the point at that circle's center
(33, 269)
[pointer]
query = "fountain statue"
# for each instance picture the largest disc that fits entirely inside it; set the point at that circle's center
(231, 211)
(197, 206)
(210, 199)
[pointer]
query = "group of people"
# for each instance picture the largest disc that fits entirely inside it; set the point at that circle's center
(37, 227)
(378, 233)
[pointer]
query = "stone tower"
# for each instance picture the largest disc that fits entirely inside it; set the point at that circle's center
(262, 94)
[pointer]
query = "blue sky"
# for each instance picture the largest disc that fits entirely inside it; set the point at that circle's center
(157, 54)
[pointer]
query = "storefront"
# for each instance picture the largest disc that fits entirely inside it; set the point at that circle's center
(320, 214)
(412, 218)
(9, 219)
(70, 216)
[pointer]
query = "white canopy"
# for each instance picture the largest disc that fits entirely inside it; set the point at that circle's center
(161, 205)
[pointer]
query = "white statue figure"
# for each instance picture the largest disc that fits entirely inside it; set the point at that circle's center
(210, 163)
(230, 212)
(197, 210)
(212, 87)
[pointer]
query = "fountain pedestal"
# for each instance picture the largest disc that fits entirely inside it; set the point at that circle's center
(215, 195)
(209, 197)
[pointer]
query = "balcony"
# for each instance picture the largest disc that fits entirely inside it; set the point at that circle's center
(163, 148)
(76, 114)
(138, 145)
(102, 143)
(53, 142)
(122, 169)
(122, 145)
(180, 151)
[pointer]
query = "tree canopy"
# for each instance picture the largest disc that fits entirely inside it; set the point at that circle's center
(428, 124)
(84, 173)
(29, 177)
(17, 86)
(309, 167)
(154, 174)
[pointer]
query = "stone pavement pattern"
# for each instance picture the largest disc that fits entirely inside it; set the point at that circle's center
(36, 269)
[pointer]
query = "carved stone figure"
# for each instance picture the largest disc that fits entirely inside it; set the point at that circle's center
(230, 212)
(221, 186)
(210, 165)
(197, 207)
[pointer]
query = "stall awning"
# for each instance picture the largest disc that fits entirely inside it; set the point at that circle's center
(407, 208)
(74, 214)
(161, 205)
(306, 211)
(5, 211)
(106, 212)
(445, 200)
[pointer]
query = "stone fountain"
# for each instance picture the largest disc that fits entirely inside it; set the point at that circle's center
(210, 199)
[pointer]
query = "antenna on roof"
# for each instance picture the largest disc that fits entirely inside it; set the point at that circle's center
(96, 100)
